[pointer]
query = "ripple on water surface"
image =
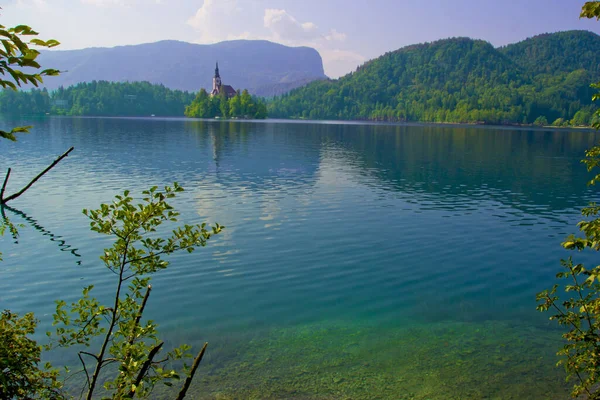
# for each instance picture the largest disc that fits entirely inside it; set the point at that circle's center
(359, 261)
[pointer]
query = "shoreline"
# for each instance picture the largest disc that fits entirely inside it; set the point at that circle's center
(322, 121)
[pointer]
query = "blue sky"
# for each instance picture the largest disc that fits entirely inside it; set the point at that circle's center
(345, 32)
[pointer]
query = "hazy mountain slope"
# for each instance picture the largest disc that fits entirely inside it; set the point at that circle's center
(277, 89)
(186, 66)
(451, 80)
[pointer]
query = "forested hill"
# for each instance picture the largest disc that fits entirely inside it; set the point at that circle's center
(462, 80)
(554, 53)
(98, 98)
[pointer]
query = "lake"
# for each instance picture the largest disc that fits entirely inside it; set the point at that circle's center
(358, 260)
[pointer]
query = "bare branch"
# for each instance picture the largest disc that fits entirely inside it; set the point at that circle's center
(87, 375)
(138, 317)
(108, 361)
(145, 367)
(113, 321)
(188, 380)
(34, 180)
(136, 323)
(4, 184)
(89, 354)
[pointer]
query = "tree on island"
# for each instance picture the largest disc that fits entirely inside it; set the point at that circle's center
(242, 105)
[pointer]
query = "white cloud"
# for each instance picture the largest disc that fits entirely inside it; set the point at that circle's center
(334, 35)
(285, 28)
(211, 21)
(121, 3)
(104, 2)
(219, 20)
(340, 62)
(40, 5)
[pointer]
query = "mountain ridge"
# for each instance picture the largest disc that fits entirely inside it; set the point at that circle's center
(245, 64)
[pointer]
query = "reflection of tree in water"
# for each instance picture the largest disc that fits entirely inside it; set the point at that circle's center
(442, 167)
(532, 170)
(62, 243)
(257, 154)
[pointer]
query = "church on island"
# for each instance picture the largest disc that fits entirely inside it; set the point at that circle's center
(218, 87)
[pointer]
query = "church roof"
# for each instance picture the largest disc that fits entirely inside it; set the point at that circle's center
(229, 91)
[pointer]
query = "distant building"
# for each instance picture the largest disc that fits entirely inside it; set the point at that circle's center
(218, 86)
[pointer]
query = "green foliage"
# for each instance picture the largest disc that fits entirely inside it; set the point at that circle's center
(580, 312)
(556, 53)
(581, 118)
(591, 9)
(136, 254)
(558, 122)
(239, 106)
(16, 53)
(21, 376)
(540, 121)
(458, 80)
(98, 98)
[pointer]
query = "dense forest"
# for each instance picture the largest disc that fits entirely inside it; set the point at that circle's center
(98, 98)
(242, 105)
(543, 80)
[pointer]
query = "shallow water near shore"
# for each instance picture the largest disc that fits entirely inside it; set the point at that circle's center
(358, 261)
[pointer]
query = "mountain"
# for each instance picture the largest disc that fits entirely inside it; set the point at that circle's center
(256, 65)
(540, 80)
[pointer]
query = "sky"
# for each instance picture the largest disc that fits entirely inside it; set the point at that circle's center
(345, 32)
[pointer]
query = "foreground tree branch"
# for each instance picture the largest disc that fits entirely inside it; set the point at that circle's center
(34, 180)
(145, 368)
(4, 184)
(126, 339)
(188, 380)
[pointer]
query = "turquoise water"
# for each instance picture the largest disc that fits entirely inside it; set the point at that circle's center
(358, 261)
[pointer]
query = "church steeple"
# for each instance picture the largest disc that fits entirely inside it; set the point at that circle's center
(219, 87)
(216, 81)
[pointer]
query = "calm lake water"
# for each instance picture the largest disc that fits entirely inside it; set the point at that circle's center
(358, 261)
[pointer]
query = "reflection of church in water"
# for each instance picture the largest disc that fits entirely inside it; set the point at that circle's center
(218, 86)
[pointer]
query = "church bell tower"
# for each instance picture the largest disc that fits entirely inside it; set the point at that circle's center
(216, 81)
